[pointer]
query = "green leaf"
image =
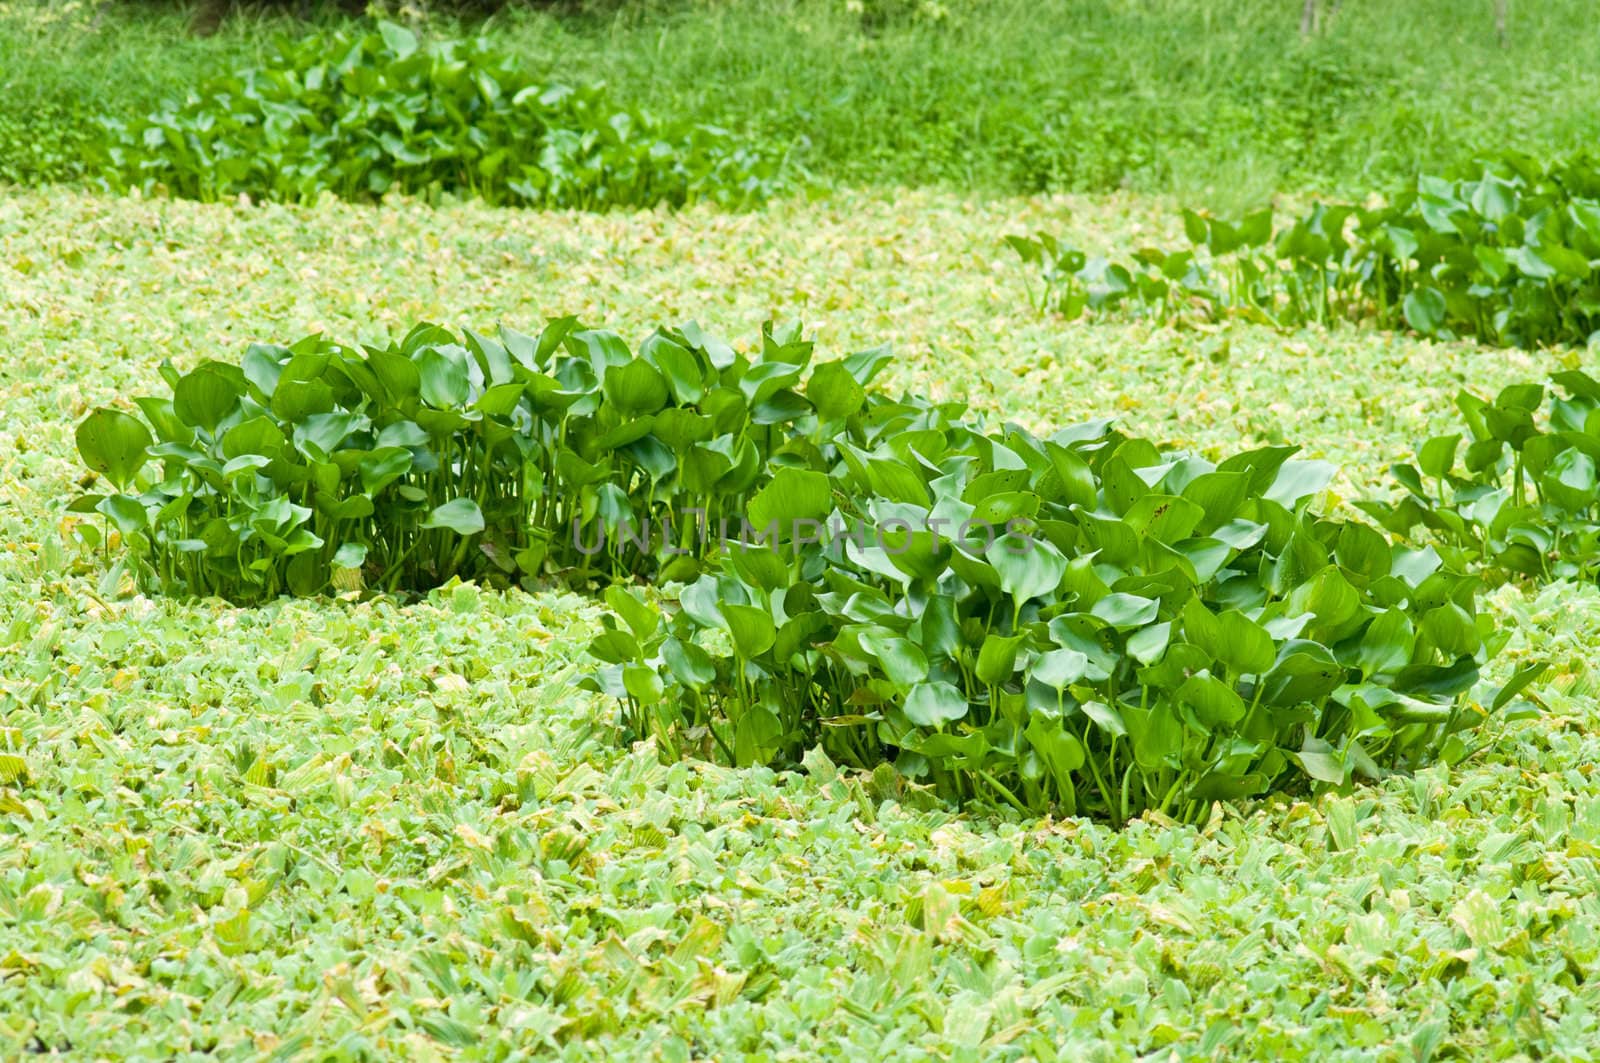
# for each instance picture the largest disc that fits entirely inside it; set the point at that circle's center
(442, 376)
(1059, 668)
(1215, 703)
(1125, 612)
(901, 659)
(1387, 644)
(688, 663)
(1438, 455)
(208, 394)
(635, 388)
(350, 555)
(1246, 648)
(460, 515)
(1027, 568)
(794, 495)
(399, 40)
(113, 444)
(1424, 310)
(934, 704)
(1300, 479)
(834, 392)
(1322, 762)
(752, 629)
(997, 659)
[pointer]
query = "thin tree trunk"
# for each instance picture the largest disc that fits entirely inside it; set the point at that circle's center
(1500, 21)
(1308, 18)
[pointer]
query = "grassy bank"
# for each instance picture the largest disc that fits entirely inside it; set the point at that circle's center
(1220, 106)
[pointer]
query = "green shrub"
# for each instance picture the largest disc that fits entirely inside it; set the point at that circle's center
(1523, 498)
(321, 466)
(1151, 631)
(1510, 256)
(44, 144)
(363, 115)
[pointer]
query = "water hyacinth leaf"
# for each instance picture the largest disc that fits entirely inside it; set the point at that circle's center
(1300, 479)
(1425, 310)
(938, 629)
(1060, 748)
(997, 659)
(934, 704)
(1126, 612)
(442, 376)
(113, 444)
(382, 467)
(756, 736)
(1438, 455)
(635, 388)
(207, 394)
(901, 659)
(350, 555)
(642, 683)
(319, 435)
(751, 627)
(760, 567)
(1451, 629)
(1148, 644)
(1305, 672)
(1027, 568)
(689, 664)
(1214, 702)
(701, 601)
(1059, 668)
(614, 646)
(641, 619)
(1386, 645)
(460, 515)
(125, 512)
(1322, 762)
(1364, 551)
(401, 41)
(1105, 717)
(262, 365)
(792, 496)
(257, 435)
(834, 392)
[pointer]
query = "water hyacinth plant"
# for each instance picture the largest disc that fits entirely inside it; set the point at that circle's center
(363, 114)
(317, 466)
(1154, 631)
(1509, 254)
(1521, 497)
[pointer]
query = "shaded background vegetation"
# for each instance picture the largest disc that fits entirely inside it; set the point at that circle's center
(1218, 103)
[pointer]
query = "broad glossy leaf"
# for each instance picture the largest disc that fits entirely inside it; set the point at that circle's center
(208, 394)
(460, 515)
(113, 444)
(934, 704)
(751, 627)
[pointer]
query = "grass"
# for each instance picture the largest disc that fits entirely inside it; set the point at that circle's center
(1222, 107)
(332, 828)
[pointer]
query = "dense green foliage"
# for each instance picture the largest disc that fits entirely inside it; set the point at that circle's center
(362, 115)
(1112, 629)
(1218, 104)
(321, 466)
(1524, 497)
(1510, 256)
